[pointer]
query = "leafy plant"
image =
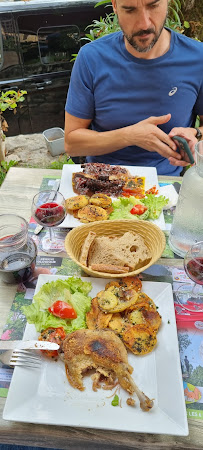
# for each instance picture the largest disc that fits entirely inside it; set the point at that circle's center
(109, 23)
(59, 164)
(102, 27)
(9, 100)
(4, 167)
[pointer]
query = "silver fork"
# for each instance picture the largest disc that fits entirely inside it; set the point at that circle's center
(19, 357)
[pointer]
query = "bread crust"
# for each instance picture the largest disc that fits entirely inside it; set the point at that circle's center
(86, 247)
(109, 268)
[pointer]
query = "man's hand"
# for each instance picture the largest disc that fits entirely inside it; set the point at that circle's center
(189, 135)
(147, 135)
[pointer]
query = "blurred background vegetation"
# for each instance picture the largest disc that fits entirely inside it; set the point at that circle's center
(184, 16)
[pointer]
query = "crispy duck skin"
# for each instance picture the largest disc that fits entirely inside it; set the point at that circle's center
(99, 349)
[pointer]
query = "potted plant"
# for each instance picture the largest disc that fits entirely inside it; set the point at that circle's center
(8, 100)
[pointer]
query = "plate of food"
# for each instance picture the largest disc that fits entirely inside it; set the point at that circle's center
(102, 192)
(135, 384)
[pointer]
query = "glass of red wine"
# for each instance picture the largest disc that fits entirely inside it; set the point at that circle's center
(191, 296)
(48, 209)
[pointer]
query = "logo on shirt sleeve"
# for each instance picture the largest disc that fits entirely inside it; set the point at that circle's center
(173, 91)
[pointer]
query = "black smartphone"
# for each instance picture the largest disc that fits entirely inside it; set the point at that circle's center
(183, 145)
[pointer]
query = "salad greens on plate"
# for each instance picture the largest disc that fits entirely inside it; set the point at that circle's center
(123, 206)
(73, 291)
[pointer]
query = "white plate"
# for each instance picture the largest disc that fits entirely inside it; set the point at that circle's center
(150, 174)
(45, 396)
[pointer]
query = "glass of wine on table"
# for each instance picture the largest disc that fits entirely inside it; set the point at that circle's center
(189, 296)
(48, 209)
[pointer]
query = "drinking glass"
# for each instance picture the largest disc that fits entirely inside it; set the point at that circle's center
(17, 250)
(189, 296)
(48, 209)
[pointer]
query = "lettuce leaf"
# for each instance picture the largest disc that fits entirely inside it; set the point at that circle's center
(154, 205)
(122, 207)
(73, 291)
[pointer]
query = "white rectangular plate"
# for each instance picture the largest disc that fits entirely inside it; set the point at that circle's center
(45, 396)
(150, 174)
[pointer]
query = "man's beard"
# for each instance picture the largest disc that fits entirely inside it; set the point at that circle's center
(141, 49)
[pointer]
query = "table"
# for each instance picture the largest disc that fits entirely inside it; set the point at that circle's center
(16, 194)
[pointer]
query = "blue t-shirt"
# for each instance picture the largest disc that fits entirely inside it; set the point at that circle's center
(116, 89)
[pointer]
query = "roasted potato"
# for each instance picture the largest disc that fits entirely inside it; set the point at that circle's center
(127, 283)
(92, 213)
(143, 301)
(100, 199)
(77, 202)
(118, 324)
(140, 339)
(141, 315)
(153, 318)
(115, 299)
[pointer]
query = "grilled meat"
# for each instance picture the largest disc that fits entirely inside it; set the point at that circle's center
(101, 350)
(102, 169)
(90, 184)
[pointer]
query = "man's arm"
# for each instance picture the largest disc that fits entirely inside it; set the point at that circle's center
(190, 135)
(82, 141)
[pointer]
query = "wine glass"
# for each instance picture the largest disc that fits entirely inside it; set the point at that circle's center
(189, 296)
(48, 209)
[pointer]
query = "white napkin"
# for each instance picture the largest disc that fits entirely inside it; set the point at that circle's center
(169, 192)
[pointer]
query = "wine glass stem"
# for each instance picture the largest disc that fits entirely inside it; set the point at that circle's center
(51, 234)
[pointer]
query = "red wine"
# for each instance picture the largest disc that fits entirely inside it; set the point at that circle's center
(194, 270)
(50, 214)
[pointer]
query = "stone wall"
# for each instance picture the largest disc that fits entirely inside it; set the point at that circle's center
(29, 150)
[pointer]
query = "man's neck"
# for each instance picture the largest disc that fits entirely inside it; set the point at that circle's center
(159, 49)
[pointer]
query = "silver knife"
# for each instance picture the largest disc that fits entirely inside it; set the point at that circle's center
(55, 187)
(28, 345)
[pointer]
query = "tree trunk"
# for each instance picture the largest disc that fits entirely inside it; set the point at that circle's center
(193, 12)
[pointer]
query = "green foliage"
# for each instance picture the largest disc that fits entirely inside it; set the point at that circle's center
(102, 27)
(9, 99)
(59, 164)
(196, 376)
(109, 23)
(197, 123)
(184, 341)
(4, 167)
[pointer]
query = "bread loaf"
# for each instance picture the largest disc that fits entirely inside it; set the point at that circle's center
(128, 250)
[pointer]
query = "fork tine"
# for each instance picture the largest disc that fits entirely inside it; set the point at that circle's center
(24, 364)
(24, 358)
(25, 353)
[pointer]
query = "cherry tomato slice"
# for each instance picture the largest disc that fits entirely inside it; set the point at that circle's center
(62, 310)
(138, 209)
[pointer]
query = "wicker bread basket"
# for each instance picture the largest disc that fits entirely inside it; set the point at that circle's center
(153, 236)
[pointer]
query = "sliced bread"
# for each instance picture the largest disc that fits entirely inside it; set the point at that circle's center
(128, 250)
(86, 247)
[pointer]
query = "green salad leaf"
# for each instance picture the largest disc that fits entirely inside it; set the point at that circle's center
(73, 291)
(122, 207)
(154, 205)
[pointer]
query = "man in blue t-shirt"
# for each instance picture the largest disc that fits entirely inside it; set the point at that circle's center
(132, 91)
